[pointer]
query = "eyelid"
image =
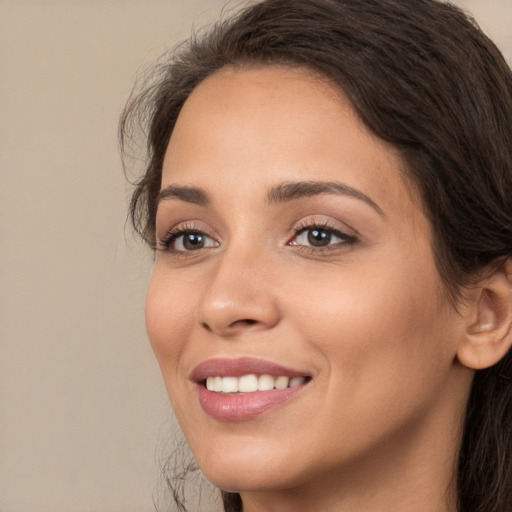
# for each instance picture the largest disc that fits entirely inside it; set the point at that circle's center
(348, 235)
(164, 242)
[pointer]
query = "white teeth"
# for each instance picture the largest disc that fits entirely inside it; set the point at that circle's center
(266, 383)
(296, 381)
(214, 384)
(282, 382)
(217, 384)
(251, 383)
(248, 384)
(229, 385)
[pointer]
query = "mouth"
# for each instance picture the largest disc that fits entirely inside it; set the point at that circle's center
(241, 389)
(252, 383)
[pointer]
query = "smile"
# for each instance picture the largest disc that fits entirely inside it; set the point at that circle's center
(242, 389)
(252, 383)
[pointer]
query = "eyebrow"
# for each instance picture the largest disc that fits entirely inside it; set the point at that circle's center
(284, 192)
(289, 191)
(194, 195)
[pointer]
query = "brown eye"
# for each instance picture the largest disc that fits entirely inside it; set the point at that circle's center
(322, 237)
(187, 241)
(318, 237)
(192, 241)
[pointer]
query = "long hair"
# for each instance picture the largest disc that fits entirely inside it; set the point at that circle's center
(423, 77)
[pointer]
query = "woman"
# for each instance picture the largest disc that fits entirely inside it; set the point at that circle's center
(328, 195)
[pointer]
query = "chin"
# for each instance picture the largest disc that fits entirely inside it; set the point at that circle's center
(250, 479)
(250, 468)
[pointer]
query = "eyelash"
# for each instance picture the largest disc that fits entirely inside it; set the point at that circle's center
(346, 239)
(165, 244)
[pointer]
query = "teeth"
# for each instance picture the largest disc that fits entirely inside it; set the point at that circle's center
(282, 382)
(266, 383)
(296, 381)
(248, 384)
(229, 385)
(217, 384)
(251, 383)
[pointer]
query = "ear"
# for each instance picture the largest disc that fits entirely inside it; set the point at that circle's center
(488, 335)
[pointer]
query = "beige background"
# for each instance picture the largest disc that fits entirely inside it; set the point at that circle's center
(83, 414)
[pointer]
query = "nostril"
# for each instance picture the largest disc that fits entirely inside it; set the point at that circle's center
(234, 328)
(245, 321)
(204, 325)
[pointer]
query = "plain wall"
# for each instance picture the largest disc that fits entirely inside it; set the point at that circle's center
(83, 412)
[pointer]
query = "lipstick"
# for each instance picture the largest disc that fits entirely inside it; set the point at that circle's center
(241, 389)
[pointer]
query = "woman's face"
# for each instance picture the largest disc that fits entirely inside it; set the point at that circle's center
(295, 265)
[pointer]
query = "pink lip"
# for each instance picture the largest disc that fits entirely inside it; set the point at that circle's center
(239, 367)
(240, 407)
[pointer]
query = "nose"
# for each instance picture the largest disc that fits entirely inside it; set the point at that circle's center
(239, 297)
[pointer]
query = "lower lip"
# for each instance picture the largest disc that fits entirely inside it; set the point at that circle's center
(240, 407)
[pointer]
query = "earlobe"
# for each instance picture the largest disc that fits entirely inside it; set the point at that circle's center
(488, 335)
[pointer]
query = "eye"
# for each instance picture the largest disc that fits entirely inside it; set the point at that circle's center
(187, 241)
(321, 237)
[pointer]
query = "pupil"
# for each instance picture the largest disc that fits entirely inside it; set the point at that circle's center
(193, 241)
(317, 237)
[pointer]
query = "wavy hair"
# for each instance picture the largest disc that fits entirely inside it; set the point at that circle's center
(423, 77)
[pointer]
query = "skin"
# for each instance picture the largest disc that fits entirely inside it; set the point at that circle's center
(377, 427)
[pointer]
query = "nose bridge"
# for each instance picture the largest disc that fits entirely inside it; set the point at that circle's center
(239, 294)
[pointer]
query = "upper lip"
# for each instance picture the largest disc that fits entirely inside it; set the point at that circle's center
(224, 367)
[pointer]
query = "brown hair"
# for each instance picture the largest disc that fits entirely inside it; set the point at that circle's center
(424, 78)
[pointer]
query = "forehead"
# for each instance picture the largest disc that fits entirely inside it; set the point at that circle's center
(258, 126)
(267, 105)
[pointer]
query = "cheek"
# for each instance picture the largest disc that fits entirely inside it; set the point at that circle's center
(385, 346)
(380, 329)
(169, 314)
(168, 321)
